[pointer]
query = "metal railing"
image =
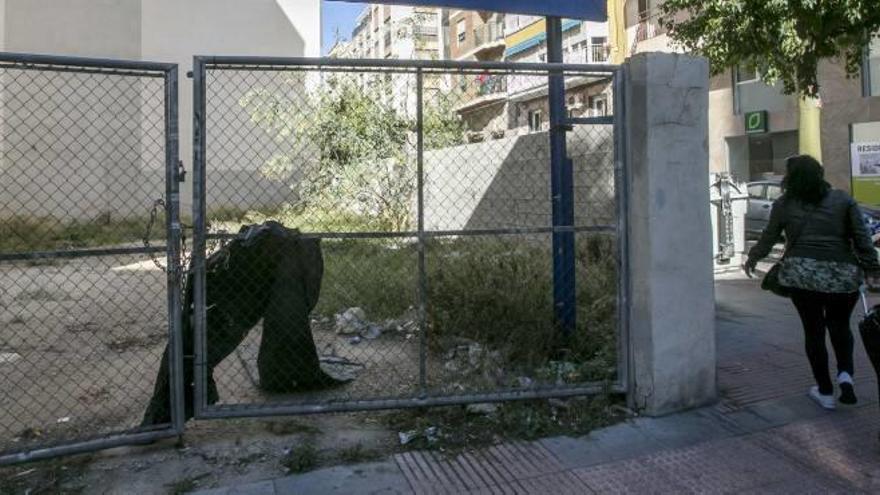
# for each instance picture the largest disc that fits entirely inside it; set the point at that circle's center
(650, 26)
(88, 206)
(436, 275)
(488, 33)
(598, 53)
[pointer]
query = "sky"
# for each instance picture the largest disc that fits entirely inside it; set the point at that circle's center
(338, 15)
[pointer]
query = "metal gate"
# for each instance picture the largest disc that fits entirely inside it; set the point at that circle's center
(424, 269)
(88, 205)
(428, 187)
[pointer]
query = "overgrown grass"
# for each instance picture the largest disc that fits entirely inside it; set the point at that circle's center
(301, 458)
(497, 291)
(378, 276)
(231, 219)
(21, 234)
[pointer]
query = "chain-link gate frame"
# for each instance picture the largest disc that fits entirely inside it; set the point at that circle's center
(204, 65)
(100, 70)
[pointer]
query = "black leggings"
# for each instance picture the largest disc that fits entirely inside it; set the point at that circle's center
(818, 311)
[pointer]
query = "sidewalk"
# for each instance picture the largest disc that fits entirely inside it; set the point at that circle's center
(764, 436)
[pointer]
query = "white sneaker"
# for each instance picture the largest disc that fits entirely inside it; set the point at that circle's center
(825, 401)
(847, 391)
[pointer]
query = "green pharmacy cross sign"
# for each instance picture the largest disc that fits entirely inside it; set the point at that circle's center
(756, 122)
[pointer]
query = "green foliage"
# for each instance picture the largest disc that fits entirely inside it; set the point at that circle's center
(500, 293)
(351, 145)
(374, 275)
(492, 291)
(301, 458)
(784, 39)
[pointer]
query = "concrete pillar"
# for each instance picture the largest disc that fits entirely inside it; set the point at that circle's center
(672, 305)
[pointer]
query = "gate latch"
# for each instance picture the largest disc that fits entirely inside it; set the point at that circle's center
(181, 171)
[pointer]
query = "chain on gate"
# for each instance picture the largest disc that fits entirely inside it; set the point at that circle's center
(185, 258)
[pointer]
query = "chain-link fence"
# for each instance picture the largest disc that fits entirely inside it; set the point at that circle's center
(366, 235)
(381, 234)
(88, 148)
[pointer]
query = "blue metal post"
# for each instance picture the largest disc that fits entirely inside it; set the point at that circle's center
(562, 185)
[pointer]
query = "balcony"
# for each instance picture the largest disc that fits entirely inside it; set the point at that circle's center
(489, 85)
(488, 34)
(598, 54)
(487, 89)
(594, 54)
(423, 30)
(650, 26)
(482, 42)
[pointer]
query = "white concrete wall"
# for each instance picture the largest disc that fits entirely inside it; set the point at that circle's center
(73, 142)
(157, 30)
(175, 31)
(511, 186)
(88, 28)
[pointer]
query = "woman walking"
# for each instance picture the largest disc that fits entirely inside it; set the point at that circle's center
(828, 254)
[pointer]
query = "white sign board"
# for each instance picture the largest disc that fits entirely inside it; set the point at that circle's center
(865, 160)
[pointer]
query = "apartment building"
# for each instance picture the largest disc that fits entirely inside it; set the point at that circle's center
(583, 43)
(398, 32)
(481, 98)
(850, 112)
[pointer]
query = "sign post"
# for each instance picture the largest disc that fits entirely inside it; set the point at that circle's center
(562, 190)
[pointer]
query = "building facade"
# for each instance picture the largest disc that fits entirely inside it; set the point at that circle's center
(481, 99)
(850, 110)
(583, 43)
(396, 32)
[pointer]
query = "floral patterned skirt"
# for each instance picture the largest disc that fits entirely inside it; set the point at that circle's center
(820, 276)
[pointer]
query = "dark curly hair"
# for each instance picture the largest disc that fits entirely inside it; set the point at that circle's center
(805, 179)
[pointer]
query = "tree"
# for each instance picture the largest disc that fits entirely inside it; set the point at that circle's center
(350, 145)
(783, 39)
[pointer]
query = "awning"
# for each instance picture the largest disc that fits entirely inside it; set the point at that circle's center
(537, 39)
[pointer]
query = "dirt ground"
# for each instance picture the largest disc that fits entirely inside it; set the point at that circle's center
(213, 454)
(80, 345)
(81, 341)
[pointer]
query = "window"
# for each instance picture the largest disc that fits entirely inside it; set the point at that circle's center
(872, 71)
(461, 29)
(756, 191)
(745, 73)
(598, 105)
(644, 9)
(774, 192)
(535, 122)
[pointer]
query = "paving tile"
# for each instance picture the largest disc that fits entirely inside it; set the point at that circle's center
(374, 478)
(625, 477)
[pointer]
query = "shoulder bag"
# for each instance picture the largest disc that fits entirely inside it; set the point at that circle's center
(771, 279)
